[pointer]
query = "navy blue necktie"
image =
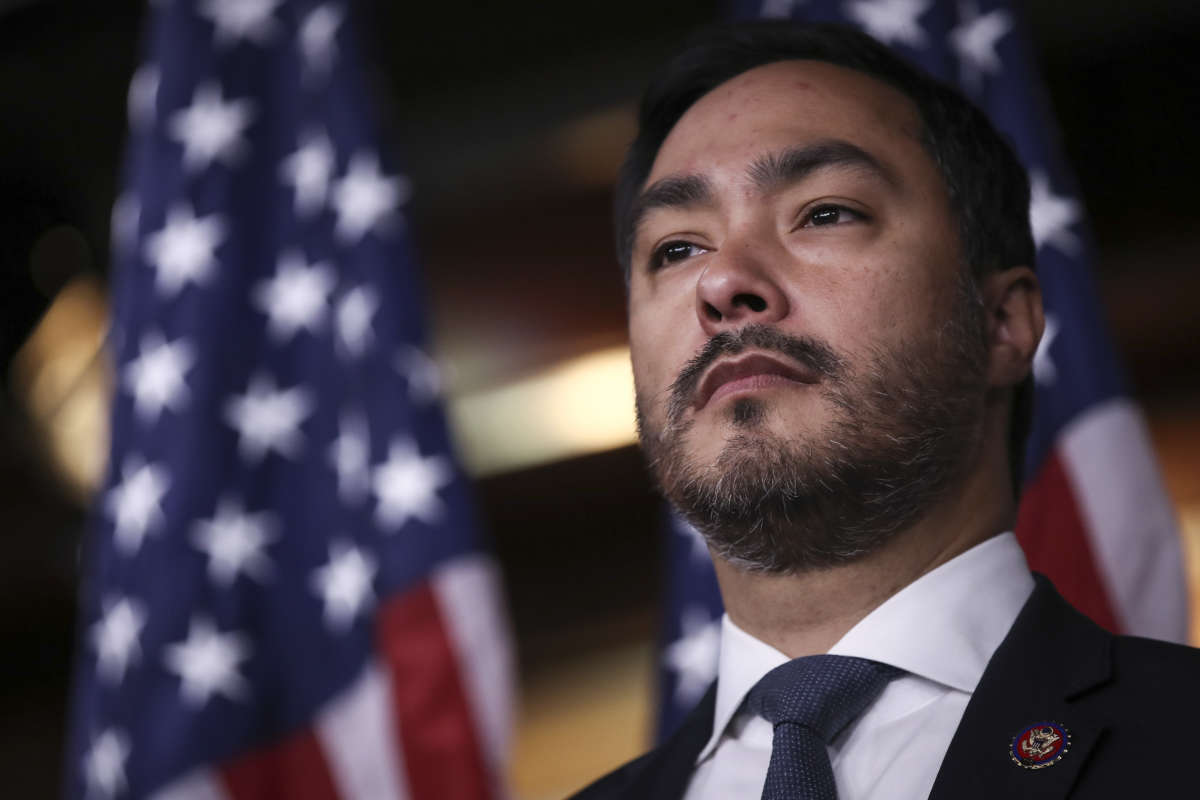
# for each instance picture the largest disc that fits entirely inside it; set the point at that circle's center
(809, 701)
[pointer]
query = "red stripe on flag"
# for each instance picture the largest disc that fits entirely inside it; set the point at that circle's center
(1051, 531)
(294, 769)
(441, 750)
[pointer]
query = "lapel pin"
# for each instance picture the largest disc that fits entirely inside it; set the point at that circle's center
(1040, 745)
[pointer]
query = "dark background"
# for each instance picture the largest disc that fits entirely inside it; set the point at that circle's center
(495, 107)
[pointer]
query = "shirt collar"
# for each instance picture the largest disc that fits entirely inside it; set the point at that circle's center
(944, 626)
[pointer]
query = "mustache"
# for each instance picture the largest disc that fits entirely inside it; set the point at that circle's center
(812, 353)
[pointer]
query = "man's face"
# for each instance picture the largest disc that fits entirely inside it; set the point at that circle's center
(807, 348)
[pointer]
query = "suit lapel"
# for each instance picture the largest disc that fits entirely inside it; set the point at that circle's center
(670, 767)
(1045, 670)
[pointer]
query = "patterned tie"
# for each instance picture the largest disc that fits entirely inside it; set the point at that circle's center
(809, 701)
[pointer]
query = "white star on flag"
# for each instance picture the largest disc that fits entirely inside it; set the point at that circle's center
(241, 19)
(406, 485)
(890, 20)
(421, 372)
(308, 171)
(104, 764)
(344, 584)
(234, 542)
(350, 456)
(366, 198)
(155, 377)
(115, 637)
(183, 251)
(211, 129)
(317, 37)
(133, 504)
(975, 40)
(207, 663)
(142, 100)
(1044, 371)
(353, 317)
(296, 297)
(778, 9)
(693, 657)
(269, 419)
(1052, 215)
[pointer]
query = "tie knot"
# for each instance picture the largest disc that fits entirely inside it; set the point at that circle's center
(823, 693)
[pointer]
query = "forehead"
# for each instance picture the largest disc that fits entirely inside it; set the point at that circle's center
(783, 104)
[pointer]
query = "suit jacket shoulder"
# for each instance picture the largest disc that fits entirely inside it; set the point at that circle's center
(1128, 704)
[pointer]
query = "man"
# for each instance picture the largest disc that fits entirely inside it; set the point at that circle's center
(832, 315)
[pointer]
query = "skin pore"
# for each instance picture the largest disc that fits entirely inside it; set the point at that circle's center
(797, 199)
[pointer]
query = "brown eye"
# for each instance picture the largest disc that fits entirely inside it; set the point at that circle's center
(672, 252)
(832, 215)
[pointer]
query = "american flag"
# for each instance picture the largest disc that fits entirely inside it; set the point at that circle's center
(1094, 515)
(286, 593)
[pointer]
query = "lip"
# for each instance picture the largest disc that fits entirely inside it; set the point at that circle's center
(749, 372)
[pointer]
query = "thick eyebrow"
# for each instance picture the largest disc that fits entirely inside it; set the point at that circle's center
(683, 191)
(767, 173)
(773, 171)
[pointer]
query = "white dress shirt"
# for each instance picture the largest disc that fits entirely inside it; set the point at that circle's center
(941, 630)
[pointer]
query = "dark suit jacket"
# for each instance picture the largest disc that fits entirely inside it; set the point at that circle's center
(1131, 705)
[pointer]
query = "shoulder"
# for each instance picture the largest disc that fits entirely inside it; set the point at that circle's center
(1150, 668)
(618, 782)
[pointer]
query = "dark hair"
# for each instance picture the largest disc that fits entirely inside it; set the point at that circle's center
(986, 184)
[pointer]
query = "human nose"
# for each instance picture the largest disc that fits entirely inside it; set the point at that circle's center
(737, 288)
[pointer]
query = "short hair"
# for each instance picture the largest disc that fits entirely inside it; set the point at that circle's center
(986, 184)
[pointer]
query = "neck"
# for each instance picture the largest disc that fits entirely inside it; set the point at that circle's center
(808, 612)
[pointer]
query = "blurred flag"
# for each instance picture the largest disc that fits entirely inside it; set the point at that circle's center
(285, 595)
(1094, 516)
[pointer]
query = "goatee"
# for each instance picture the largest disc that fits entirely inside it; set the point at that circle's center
(903, 427)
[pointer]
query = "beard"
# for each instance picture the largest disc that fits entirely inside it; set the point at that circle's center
(902, 431)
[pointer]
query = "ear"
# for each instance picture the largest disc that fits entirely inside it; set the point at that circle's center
(1013, 303)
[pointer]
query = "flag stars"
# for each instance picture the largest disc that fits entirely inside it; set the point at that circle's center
(366, 198)
(183, 251)
(267, 418)
(890, 21)
(1052, 215)
(134, 503)
(354, 312)
(207, 663)
(296, 297)
(350, 455)
(693, 657)
(406, 486)
(116, 638)
(104, 764)
(975, 41)
(1044, 370)
(234, 20)
(421, 372)
(234, 542)
(318, 32)
(211, 128)
(142, 100)
(344, 584)
(155, 377)
(308, 171)
(778, 9)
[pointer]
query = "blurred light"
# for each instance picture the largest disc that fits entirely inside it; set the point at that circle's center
(62, 378)
(589, 150)
(582, 406)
